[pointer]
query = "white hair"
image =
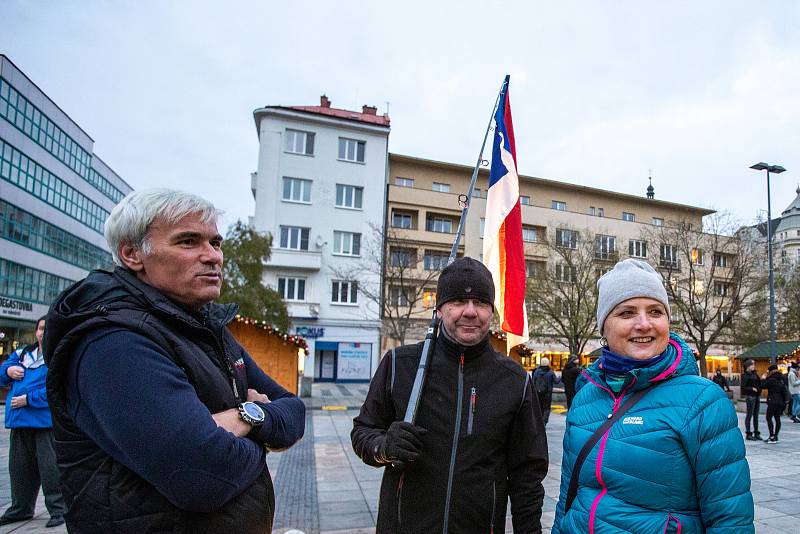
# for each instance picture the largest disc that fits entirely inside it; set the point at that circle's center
(130, 220)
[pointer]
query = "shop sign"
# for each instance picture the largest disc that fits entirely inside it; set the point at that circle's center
(20, 309)
(310, 332)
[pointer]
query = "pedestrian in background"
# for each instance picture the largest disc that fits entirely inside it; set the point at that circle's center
(794, 391)
(720, 380)
(478, 439)
(777, 395)
(569, 375)
(544, 379)
(751, 389)
(31, 458)
(649, 445)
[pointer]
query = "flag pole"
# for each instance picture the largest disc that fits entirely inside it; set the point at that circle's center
(430, 336)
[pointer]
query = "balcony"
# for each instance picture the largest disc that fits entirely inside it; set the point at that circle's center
(606, 256)
(668, 263)
(303, 310)
(305, 260)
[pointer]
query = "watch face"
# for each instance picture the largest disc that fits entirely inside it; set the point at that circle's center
(253, 410)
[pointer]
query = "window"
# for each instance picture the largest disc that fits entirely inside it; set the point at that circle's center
(724, 317)
(604, 247)
(529, 233)
(294, 237)
(444, 188)
(566, 238)
(637, 249)
(349, 196)
(697, 256)
(435, 260)
(525, 200)
(592, 210)
(346, 243)
(400, 296)
(22, 282)
(344, 292)
(401, 257)
(669, 256)
(351, 150)
(558, 205)
(439, 224)
(658, 221)
(401, 220)
(534, 269)
(403, 182)
(475, 192)
(601, 212)
(562, 307)
(630, 217)
(566, 273)
(720, 260)
(483, 226)
(292, 288)
(429, 298)
(722, 289)
(299, 142)
(296, 190)
(698, 287)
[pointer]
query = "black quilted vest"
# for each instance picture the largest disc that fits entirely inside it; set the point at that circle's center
(102, 494)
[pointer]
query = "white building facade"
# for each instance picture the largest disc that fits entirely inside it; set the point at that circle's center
(320, 190)
(55, 195)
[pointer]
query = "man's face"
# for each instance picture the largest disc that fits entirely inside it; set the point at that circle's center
(184, 263)
(40, 332)
(467, 320)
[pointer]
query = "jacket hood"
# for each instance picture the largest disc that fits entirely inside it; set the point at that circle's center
(679, 361)
(102, 291)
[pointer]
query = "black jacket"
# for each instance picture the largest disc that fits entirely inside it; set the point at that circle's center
(569, 375)
(751, 384)
(777, 392)
(103, 493)
(721, 381)
(500, 448)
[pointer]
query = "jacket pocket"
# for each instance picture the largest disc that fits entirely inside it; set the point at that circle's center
(473, 405)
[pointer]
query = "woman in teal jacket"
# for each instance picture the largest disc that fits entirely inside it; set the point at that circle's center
(675, 462)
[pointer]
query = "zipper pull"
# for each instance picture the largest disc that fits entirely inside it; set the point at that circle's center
(235, 389)
(473, 398)
(461, 362)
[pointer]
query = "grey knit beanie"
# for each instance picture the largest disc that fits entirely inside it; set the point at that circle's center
(627, 280)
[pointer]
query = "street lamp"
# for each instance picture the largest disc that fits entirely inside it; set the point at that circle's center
(775, 169)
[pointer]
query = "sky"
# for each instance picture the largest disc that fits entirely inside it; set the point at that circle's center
(603, 94)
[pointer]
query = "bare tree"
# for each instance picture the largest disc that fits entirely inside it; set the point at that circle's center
(562, 292)
(713, 278)
(406, 296)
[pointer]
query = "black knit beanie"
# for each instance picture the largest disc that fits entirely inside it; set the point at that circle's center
(465, 278)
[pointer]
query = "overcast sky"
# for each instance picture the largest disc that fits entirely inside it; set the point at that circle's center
(600, 91)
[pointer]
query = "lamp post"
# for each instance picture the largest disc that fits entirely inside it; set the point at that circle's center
(775, 169)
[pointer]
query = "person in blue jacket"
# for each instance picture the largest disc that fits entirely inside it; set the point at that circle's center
(31, 458)
(675, 462)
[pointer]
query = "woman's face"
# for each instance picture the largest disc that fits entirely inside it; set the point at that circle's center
(637, 328)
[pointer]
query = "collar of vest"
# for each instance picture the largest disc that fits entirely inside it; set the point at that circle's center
(453, 349)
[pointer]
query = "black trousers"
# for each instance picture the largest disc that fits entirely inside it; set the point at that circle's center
(753, 405)
(545, 400)
(31, 463)
(774, 412)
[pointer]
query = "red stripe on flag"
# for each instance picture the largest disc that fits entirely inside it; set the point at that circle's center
(513, 272)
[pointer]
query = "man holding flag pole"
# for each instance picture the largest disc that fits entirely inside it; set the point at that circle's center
(477, 438)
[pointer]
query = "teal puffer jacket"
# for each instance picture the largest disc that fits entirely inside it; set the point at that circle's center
(674, 463)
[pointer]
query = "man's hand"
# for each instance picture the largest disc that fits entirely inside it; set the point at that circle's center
(402, 443)
(19, 401)
(255, 396)
(230, 421)
(15, 372)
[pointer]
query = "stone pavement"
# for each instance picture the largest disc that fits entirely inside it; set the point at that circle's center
(323, 488)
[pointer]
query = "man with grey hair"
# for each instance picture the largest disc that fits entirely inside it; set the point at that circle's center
(161, 419)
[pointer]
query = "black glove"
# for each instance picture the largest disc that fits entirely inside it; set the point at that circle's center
(401, 444)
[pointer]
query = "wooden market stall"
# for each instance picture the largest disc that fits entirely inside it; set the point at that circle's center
(785, 351)
(276, 353)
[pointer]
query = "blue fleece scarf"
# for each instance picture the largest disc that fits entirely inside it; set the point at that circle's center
(616, 364)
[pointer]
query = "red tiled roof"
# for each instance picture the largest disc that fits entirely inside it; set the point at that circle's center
(380, 120)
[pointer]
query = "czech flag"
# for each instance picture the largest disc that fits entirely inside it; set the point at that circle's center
(503, 251)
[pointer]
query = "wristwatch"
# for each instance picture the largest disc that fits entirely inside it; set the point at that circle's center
(252, 413)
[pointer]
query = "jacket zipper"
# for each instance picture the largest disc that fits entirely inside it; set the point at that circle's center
(494, 505)
(400, 499)
(598, 466)
(453, 451)
(473, 401)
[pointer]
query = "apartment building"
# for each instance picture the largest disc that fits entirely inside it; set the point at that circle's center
(423, 210)
(55, 195)
(320, 191)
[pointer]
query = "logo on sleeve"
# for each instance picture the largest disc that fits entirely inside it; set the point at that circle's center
(633, 420)
(239, 364)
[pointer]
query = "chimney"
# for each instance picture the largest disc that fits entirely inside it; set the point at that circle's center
(324, 102)
(369, 110)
